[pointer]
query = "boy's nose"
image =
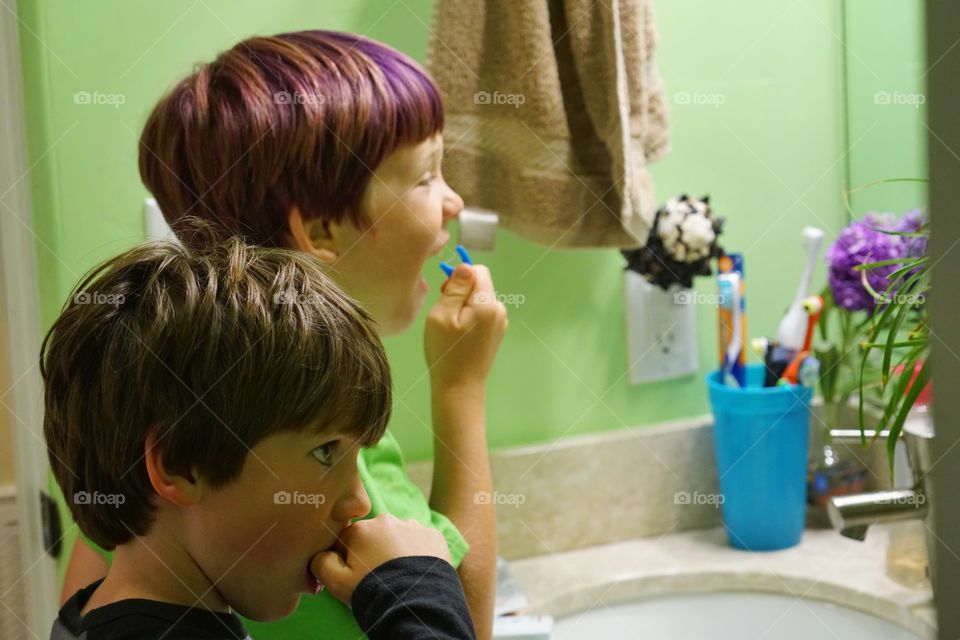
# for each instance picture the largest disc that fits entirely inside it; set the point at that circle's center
(355, 504)
(452, 205)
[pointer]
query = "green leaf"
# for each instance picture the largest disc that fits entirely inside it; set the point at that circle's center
(888, 309)
(892, 339)
(918, 263)
(866, 266)
(907, 284)
(863, 436)
(884, 345)
(894, 232)
(827, 313)
(898, 392)
(880, 322)
(902, 288)
(919, 383)
(829, 358)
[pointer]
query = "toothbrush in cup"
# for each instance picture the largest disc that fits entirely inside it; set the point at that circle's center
(792, 327)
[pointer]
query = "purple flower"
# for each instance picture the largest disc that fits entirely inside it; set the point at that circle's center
(913, 222)
(862, 242)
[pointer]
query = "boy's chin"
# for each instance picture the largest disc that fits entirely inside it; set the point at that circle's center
(273, 607)
(400, 322)
(270, 611)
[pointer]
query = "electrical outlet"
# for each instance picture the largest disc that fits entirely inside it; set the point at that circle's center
(661, 331)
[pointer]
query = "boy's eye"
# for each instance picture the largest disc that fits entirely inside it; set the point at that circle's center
(324, 453)
(427, 180)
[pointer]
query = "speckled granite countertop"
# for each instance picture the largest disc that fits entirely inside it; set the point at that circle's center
(824, 566)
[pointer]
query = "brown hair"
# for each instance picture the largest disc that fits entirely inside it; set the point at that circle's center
(209, 350)
(299, 118)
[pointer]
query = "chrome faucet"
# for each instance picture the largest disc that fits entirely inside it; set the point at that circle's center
(853, 514)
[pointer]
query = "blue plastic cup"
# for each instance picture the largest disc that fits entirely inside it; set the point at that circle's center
(762, 436)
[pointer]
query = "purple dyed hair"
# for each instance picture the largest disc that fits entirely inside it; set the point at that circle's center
(297, 119)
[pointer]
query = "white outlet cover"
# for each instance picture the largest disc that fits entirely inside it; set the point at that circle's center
(661, 331)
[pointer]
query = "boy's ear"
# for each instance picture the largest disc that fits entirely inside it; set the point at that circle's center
(319, 238)
(180, 490)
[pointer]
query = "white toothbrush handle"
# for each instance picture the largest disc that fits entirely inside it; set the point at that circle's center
(813, 252)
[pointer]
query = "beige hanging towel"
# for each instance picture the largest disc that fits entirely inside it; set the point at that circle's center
(554, 109)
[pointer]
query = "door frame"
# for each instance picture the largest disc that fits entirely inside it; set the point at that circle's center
(943, 157)
(20, 302)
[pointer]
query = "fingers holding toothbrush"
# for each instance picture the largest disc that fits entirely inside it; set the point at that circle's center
(448, 269)
(465, 327)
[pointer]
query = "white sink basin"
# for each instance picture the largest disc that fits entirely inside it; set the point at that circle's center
(718, 616)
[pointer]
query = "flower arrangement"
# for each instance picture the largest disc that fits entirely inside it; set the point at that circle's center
(876, 300)
(680, 245)
(877, 238)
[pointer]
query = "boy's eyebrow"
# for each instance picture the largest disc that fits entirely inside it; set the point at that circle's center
(428, 161)
(331, 431)
(325, 428)
(325, 433)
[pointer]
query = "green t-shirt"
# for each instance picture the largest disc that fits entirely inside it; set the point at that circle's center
(391, 490)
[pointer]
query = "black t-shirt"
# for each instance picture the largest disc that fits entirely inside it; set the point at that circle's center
(413, 597)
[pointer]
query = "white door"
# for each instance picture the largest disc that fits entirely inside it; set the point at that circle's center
(28, 590)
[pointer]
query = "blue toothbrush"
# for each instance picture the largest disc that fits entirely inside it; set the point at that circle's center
(463, 254)
(447, 268)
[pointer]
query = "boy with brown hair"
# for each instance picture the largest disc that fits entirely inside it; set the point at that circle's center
(204, 411)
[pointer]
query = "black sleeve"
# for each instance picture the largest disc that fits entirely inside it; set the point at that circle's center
(413, 597)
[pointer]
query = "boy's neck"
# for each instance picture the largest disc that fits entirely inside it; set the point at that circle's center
(160, 570)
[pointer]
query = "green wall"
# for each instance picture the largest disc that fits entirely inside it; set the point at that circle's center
(764, 133)
(886, 103)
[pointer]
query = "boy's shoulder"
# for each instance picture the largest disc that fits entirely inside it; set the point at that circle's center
(142, 619)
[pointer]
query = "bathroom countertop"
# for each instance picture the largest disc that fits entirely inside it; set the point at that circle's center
(824, 566)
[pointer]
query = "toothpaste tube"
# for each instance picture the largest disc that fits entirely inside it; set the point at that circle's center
(732, 319)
